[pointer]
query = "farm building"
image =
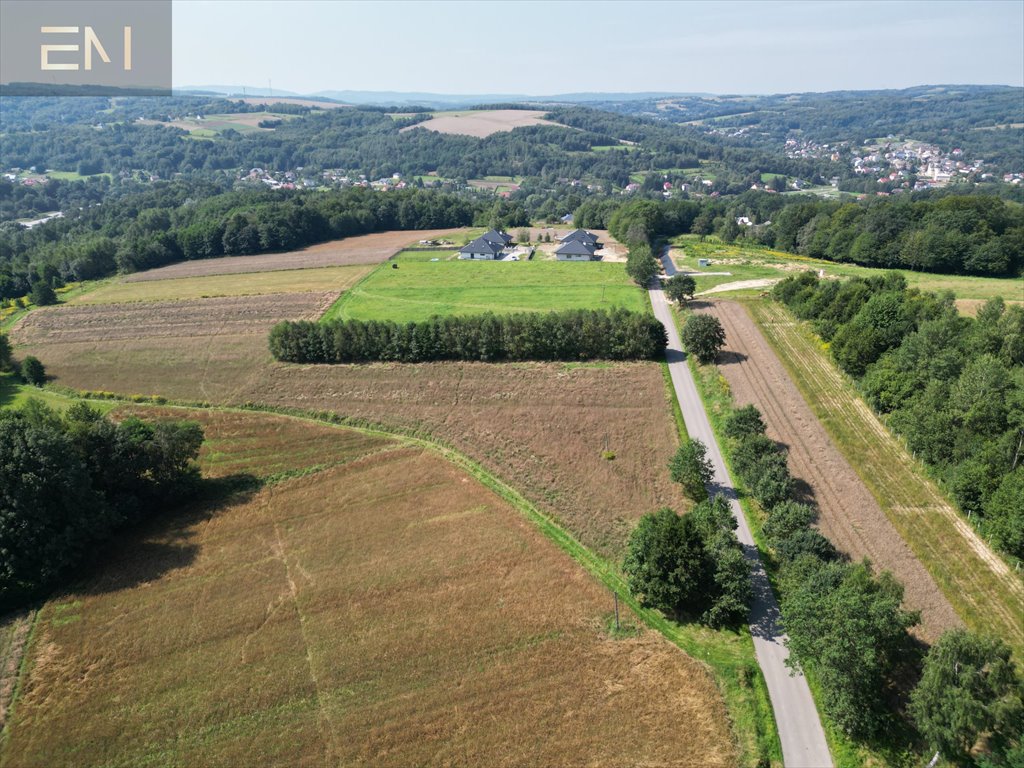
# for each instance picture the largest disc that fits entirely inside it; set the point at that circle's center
(489, 246)
(575, 250)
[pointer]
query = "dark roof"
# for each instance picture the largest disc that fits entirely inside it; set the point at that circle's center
(494, 236)
(480, 245)
(581, 235)
(576, 248)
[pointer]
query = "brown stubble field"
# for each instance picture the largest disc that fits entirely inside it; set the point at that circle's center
(540, 427)
(362, 249)
(389, 611)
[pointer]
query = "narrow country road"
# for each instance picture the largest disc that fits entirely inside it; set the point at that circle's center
(800, 731)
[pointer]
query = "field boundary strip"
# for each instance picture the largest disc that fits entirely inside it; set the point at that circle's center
(752, 742)
(981, 587)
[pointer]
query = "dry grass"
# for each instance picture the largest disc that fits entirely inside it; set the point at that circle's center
(970, 307)
(391, 611)
(984, 591)
(484, 123)
(364, 249)
(540, 427)
(247, 284)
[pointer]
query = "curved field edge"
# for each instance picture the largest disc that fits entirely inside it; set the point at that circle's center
(727, 657)
(983, 590)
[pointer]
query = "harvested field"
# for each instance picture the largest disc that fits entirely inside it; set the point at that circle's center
(970, 307)
(850, 516)
(391, 611)
(246, 284)
(983, 590)
(263, 444)
(231, 316)
(363, 249)
(541, 427)
(484, 123)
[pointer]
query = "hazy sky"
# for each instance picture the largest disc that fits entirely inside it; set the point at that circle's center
(542, 48)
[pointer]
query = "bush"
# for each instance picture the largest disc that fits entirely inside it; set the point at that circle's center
(788, 518)
(42, 294)
(32, 371)
(703, 336)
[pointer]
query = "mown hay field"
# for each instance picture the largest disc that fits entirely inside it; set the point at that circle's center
(390, 610)
(362, 249)
(245, 284)
(541, 427)
(418, 289)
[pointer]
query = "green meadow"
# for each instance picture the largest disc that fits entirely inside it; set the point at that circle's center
(411, 287)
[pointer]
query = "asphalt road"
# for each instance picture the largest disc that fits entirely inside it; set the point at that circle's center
(800, 731)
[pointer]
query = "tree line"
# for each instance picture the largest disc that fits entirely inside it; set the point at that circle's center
(847, 624)
(69, 481)
(952, 386)
(581, 334)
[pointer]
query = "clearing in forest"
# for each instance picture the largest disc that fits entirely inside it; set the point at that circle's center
(390, 610)
(483, 123)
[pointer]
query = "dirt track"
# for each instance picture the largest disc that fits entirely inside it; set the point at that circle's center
(850, 515)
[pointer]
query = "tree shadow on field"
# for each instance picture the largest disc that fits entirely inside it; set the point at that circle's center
(728, 357)
(698, 304)
(146, 552)
(802, 492)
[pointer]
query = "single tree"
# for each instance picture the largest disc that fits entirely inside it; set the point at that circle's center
(703, 336)
(968, 688)
(743, 422)
(666, 563)
(5, 352)
(680, 288)
(523, 236)
(691, 468)
(32, 371)
(42, 294)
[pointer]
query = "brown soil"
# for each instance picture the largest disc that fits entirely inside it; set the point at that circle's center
(850, 516)
(540, 427)
(388, 612)
(364, 249)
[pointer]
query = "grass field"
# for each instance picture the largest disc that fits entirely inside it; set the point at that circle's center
(986, 594)
(418, 290)
(391, 610)
(244, 284)
(746, 262)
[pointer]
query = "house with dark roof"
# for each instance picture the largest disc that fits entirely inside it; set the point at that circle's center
(575, 250)
(489, 246)
(581, 235)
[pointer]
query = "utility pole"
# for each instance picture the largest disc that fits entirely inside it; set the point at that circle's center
(616, 611)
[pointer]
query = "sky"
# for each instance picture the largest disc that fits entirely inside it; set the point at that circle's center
(545, 48)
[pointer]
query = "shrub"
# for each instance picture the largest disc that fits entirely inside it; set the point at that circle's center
(691, 468)
(743, 422)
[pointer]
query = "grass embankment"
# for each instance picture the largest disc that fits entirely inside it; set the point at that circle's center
(983, 590)
(718, 402)
(419, 289)
(747, 262)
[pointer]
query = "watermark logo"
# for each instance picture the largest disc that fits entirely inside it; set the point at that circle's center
(85, 47)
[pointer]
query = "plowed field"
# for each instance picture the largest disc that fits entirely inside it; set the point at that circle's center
(850, 516)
